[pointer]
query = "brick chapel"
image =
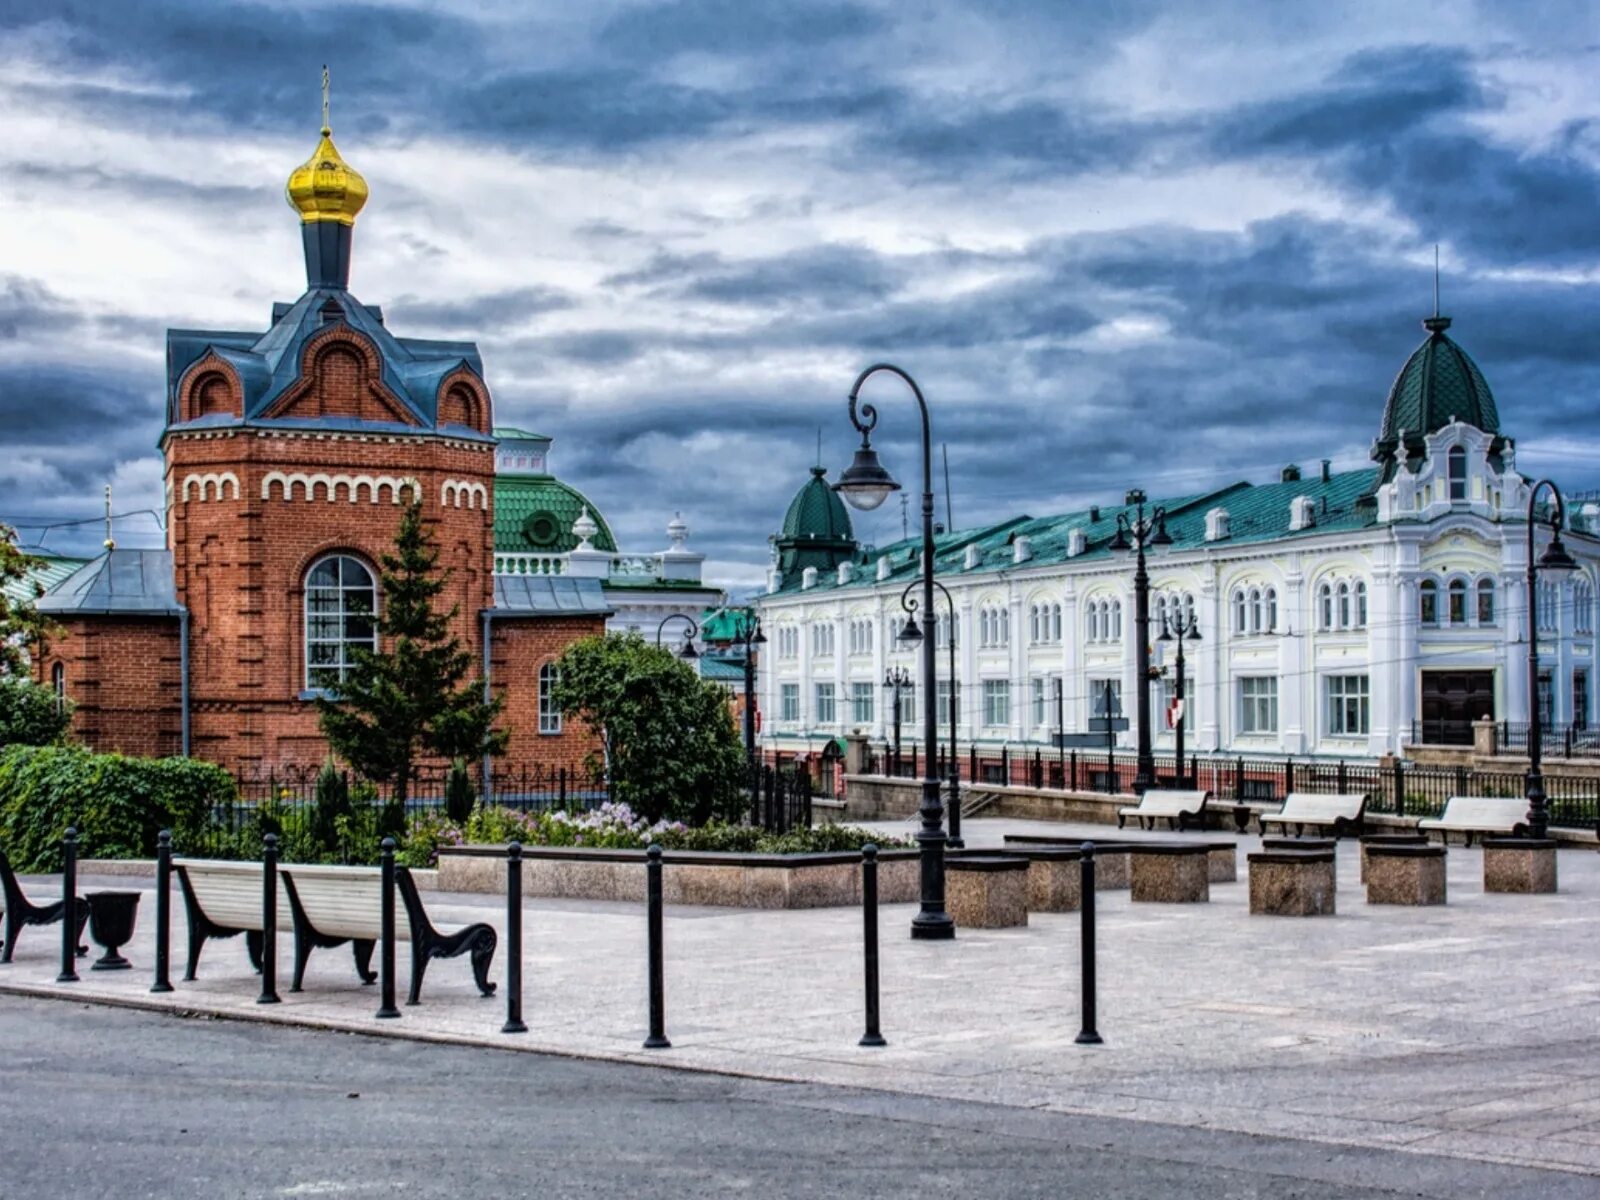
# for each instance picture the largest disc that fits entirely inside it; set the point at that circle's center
(287, 456)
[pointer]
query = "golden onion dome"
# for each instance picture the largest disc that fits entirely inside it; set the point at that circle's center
(325, 187)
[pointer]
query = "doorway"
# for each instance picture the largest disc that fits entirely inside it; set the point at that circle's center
(1451, 702)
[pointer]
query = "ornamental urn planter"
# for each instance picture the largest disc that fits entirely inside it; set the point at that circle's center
(111, 918)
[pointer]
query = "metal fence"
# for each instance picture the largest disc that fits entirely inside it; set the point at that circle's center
(1399, 788)
(780, 798)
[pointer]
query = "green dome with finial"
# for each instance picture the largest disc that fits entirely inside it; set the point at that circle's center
(816, 529)
(1439, 384)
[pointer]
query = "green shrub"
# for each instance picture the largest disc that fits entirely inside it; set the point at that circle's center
(31, 715)
(118, 804)
(459, 794)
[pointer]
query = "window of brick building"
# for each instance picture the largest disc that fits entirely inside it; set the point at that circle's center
(341, 612)
(549, 714)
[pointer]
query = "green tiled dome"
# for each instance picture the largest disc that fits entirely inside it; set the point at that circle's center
(816, 529)
(1438, 382)
(534, 514)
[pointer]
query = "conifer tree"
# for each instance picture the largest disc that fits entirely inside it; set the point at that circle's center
(415, 697)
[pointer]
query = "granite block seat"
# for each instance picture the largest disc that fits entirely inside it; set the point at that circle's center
(1170, 872)
(1522, 865)
(1331, 845)
(1388, 839)
(1405, 875)
(1110, 858)
(1293, 882)
(1335, 814)
(987, 891)
(1055, 876)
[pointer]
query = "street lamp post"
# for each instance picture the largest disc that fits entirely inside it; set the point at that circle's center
(1555, 558)
(686, 650)
(747, 636)
(1179, 628)
(910, 636)
(1136, 534)
(866, 485)
(896, 679)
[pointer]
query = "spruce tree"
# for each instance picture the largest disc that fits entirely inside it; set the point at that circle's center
(416, 696)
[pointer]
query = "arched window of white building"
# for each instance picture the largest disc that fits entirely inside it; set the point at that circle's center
(1272, 611)
(1361, 605)
(1582, 607)
(1458, 472)
(1344, 605)
(1428, 602)
(1325, 607)
(1240, 612)
(1485, 602)
(1116, 620)
(1255, 610)
(1457, 593)
(1055, 622)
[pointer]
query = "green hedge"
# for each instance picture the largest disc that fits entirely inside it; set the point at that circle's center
(118, 804)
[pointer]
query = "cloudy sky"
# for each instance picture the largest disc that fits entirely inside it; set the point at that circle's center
(1131, 244)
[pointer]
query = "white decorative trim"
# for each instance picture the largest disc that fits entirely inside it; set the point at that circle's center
(452, 493)
(209, 481)
(352, 484)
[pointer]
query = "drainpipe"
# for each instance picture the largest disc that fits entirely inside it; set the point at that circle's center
(183, 675)
(488, 775)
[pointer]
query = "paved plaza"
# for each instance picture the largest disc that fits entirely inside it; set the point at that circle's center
(1465, 1031)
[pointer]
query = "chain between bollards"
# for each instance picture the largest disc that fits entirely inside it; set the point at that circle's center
(514, 940)
(1088, 1035)
(869, 941)
(386, 1009)
(69, 907)
(163, 981)
(269, 921)
(658, 987)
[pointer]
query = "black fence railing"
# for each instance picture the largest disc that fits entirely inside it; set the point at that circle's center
(1399, 789)
(780, 798)
(1576, 740)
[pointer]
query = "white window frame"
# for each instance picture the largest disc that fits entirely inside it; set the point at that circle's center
(343, 612)
(549, 714)
(825, 702)
(1257, 705)
(789, 702)
(996, 703)
(1340, 693)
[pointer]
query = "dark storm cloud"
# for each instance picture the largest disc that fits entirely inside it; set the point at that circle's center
(29, 309)
(484, 312)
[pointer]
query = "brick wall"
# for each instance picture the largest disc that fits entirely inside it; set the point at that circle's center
(518, 649)
(123, 674)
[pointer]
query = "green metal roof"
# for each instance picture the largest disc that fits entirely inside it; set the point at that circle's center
(721, 670)
(1439, 382)
(1255, 514)
(52, 570)
(512, 433)
(724, 624)
(534, 514)
(816, 529)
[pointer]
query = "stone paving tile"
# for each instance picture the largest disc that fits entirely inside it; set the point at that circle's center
(1422, 1028)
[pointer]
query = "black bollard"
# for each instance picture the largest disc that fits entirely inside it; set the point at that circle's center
(163, 982)
(386, 1009)
(69, 908)
(1088, 1035)
(658, 988)
(869, 919)
(269, 921)
(514, 940)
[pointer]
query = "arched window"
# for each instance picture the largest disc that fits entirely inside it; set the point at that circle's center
(58, 684)
(1116, 620)
(1428, 602)
(1159, 624)
(1458, 473)
(1325, 606)
(1361, 605)
(1055, 623)
(1255, 610)
(1272, 610)
(549, 714)
(1582, 608)
(341, 618)
(1005, 626)
(1188, 610)
(1239, 612)
(1458, 601)
(1485, 602)
(1344, 605)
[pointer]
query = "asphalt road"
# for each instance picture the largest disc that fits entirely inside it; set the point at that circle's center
(105, 1102)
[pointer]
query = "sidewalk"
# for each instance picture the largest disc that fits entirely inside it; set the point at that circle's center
(1467, 1030)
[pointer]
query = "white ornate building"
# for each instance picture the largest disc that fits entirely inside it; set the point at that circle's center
(1346, 614)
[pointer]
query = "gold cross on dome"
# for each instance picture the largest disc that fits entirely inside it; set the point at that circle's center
(325, 124)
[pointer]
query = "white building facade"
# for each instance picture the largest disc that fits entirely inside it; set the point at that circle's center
(1345, 615)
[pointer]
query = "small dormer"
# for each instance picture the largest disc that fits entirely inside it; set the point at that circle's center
(846, 572)
(1077, 543)
(808, 579)
(972, 559)
(1217, 525)
(1302, 513)
(885, 568)
(1021, 548)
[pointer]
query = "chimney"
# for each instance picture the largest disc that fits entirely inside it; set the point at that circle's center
(1291, 473)
(1327, 469)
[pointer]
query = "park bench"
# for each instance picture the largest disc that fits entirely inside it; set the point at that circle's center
(333, 905)
(1179, 808)
(222, 900)
(20, 911)
(1503, 816)
(1338, 814)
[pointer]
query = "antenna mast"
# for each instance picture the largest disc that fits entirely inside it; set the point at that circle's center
(949, 515)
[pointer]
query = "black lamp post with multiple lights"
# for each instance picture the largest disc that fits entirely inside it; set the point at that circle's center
(748, 637)
(1180, 627)
(1135, 534)
(865, 485)
(896, 680)
(1554, 558)
(911, 636)
(686, 650)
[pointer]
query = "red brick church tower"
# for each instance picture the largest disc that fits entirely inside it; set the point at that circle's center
(288, 454)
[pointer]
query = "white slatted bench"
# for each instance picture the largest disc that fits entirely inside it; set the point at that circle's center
(1177, 807)
(333, 905)
(1338, 814)
(223, 900)
(1505, 816)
